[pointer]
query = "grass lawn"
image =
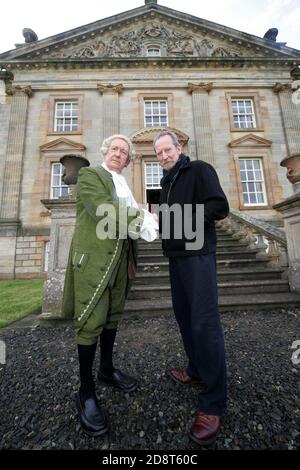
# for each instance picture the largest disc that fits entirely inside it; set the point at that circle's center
(19, 298)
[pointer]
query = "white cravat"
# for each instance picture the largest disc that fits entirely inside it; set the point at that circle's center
(149, 229)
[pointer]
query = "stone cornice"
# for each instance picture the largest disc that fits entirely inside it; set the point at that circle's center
(156, 63)
(110, 88)
(15, 90)
(200, 87)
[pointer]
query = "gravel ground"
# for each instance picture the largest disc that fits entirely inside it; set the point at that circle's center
(40, 379)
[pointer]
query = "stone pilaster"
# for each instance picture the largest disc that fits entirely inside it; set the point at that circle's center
(111, 111)
(202, 122)
(12, 175)
(14, 154)
(290, 116)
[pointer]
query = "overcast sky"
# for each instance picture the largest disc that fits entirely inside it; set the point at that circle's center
(49, 18)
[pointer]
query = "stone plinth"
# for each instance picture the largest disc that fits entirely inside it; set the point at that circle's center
(63, 216)
(290, 210)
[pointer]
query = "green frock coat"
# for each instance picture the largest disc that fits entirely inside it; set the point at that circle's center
(92, 260)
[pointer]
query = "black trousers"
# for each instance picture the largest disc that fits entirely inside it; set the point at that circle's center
(195, 303)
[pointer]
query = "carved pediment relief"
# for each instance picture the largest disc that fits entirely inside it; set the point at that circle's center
(62, 145)
(128, 34)
(250, 140)
(133, 43)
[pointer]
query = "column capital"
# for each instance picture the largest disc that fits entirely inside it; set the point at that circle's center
(278, 87)
(137, 158)
(17, 90)
(110, 88)
(200, 87)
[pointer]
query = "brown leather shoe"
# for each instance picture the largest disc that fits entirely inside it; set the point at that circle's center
(181, 376)
(205, 428)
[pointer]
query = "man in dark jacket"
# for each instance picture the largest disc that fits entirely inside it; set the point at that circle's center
(193, 278)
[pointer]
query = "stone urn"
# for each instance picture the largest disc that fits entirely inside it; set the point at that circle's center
(292, 164)
(72, 165)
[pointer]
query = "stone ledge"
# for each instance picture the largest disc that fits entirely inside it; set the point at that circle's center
(50, 319)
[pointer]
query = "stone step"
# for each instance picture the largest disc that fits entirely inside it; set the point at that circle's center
(221, 238)
(224, 288)
(221, 255)
(226, 303)
(162, 277)
(225, 264)
(233, 246)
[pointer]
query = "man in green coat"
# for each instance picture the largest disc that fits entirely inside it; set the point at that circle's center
(101, 261)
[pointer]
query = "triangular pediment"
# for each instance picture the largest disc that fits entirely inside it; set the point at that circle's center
(250, 140)
(62, 145)
(148, 134)
(128, 35)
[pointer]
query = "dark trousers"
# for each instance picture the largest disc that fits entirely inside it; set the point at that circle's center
(195, 303)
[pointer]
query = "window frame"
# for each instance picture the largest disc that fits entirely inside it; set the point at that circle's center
(52, 187)
(157, 96)
(159, 114)
(53, 100)
(64, 117)
(153, 47)
(153, 163)
(255, 98)
(253, 181)
(268, 172)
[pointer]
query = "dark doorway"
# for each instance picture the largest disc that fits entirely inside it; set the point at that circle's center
(153, 199)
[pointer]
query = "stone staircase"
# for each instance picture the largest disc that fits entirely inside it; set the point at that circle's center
(246, 280)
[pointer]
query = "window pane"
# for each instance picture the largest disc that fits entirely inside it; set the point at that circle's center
(246, 198)
(56, 192)
(64, 191)
(56, 168)
(156, 113)
(257, 175)
(56, 180)
(260, 198)
(243, 175)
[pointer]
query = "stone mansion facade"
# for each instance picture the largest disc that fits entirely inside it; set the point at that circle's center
(226, 94)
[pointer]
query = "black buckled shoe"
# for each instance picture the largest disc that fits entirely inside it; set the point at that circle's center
(92, 419)
(119, 380)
